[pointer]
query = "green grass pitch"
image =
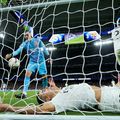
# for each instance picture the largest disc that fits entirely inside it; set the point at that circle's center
(8, 97)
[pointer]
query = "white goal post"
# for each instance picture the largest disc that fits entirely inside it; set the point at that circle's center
(52, 3)
(56, 117)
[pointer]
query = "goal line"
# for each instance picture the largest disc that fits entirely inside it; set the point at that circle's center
(56, 117)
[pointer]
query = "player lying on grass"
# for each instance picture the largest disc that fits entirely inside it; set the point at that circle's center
(35, 50)
(73, 97)
(50, 92)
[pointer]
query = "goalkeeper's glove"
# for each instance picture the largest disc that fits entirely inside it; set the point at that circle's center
(8, 56)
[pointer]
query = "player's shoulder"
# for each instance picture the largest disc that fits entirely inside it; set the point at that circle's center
(37, 38)
(24, 42)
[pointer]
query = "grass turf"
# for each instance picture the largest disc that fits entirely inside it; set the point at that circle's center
(8, 97)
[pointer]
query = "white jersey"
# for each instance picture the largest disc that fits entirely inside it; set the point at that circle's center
(110, 99)
(116, 38)
(78, 96)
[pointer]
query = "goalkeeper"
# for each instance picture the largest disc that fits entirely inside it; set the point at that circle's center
(35, 51)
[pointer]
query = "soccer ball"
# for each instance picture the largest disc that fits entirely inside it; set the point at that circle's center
(14, 63)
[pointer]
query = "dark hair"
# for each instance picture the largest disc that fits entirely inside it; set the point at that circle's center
(27, 31)
(39, 100)
(49, 76)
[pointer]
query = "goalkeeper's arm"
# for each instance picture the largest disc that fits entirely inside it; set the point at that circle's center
(49, 60)
(14, 53)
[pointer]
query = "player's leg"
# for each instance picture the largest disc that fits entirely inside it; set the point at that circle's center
(118, 83)
(30, 68)
(43, 72)
(45, 107)
(117, 54)
(26, 85)
(118, 78)
(44, 81)
(26, 81)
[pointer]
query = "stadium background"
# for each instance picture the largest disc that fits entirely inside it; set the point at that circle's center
(99, 19)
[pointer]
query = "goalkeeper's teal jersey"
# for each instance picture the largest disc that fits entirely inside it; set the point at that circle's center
(35, 50)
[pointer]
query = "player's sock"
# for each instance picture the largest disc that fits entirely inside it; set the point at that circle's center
(25, 93)
(119, 78)
(113, 83)
(26, 84)
(44, 83)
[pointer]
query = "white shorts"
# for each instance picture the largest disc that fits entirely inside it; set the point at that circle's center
(110, 99)
(74, 97)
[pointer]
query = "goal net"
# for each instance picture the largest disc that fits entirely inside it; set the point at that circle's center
(82, 38)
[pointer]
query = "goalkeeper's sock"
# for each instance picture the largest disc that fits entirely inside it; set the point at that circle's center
(26, 84)
(44, 83)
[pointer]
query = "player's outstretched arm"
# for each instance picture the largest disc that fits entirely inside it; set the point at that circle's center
(44, 108)
(19, 50)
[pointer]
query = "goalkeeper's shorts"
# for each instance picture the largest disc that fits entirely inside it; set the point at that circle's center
(40, 67)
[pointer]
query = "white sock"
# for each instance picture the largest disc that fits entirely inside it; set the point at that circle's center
(25, 93)
(113, 83)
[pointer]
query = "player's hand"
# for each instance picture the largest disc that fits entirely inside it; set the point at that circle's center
(51, 82)
(8, 56)
(49, 61)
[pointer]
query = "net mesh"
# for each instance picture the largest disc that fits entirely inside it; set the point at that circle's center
(87, 61)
